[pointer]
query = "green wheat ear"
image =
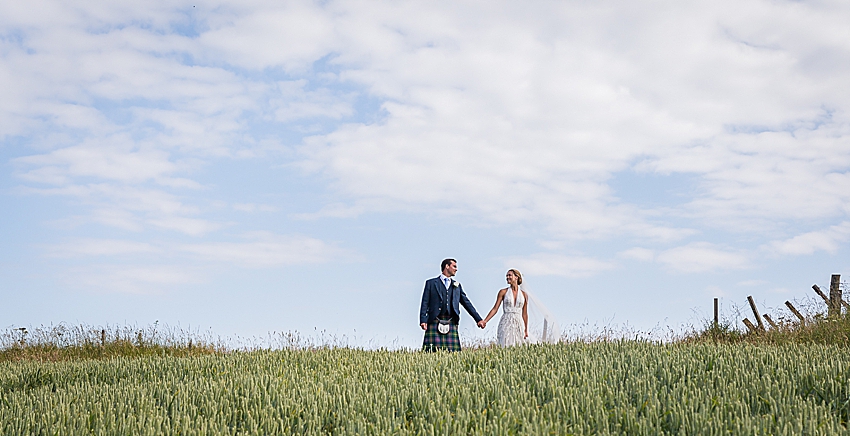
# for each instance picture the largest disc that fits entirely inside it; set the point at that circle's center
(606, 387)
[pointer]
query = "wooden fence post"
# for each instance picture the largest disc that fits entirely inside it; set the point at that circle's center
(755, 312)
(23, 331)
(822, 295)
(795, 312)
(835, 295)
(750, 325)
(770, 321)
(103, 338)
(716, 313)
(545, 328)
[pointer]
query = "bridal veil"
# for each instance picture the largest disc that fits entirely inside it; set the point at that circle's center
(542, 326)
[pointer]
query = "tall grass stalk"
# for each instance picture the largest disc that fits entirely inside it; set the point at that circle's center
(65, 342)
(815, 328)
(616, 387)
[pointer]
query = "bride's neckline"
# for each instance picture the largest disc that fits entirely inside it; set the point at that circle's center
(514, 296)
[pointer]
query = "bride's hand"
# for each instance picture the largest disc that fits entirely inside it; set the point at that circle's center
(526, 334)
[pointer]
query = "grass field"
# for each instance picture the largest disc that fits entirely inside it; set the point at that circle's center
(577, 388)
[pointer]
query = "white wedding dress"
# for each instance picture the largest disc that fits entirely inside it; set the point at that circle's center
(511, 330)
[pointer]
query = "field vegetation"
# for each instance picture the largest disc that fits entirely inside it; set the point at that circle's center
(717, 380)
(62, 342)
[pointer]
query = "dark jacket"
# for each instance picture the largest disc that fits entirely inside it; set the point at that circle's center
(432, 301)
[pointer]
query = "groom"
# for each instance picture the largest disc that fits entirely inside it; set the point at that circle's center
(440, 305)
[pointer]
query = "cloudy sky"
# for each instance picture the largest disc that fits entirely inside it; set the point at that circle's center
(260, 166)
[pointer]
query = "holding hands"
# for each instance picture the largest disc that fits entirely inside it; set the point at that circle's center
(481, 324)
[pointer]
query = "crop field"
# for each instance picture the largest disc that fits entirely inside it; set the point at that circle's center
(576, 388)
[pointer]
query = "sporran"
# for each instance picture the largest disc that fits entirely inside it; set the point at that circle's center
(444, 326)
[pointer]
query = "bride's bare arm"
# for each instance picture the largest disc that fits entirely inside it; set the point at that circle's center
(495, 308)
(525, 313)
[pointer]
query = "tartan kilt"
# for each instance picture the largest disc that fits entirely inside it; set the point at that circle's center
(435, 341)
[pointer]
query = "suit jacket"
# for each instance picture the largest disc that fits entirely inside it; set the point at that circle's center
(432, 301)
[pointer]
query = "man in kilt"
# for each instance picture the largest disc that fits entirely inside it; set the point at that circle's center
(441, 302)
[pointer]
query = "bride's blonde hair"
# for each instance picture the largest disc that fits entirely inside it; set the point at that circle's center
(517, 274)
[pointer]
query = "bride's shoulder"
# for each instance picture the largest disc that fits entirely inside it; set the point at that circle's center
(503, 290)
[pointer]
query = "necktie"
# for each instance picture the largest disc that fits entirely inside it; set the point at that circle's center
(447, 296)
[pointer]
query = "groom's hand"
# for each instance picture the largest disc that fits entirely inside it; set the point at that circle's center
(482, 324)
(424, 326)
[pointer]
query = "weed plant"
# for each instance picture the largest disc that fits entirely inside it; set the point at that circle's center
(63, 342)
(815, 328)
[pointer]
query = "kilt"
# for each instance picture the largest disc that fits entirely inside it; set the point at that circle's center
(435, 341)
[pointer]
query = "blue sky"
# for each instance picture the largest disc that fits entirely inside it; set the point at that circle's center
(275, 166)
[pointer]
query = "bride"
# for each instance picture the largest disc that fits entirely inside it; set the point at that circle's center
(518, 307)
(513, 327)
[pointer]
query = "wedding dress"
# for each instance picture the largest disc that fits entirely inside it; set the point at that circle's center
(542, 326)
(511, 330)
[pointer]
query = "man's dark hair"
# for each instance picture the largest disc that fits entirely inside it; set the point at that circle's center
(445, 263)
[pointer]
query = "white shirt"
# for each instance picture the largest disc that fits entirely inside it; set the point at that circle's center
(446, 281)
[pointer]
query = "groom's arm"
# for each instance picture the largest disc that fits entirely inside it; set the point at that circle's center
(468, 306)
(423, 308)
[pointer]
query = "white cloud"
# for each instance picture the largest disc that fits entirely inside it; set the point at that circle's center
(545, 264)
(117, 218)
(291, 35)
(260, 250)
(827, 240)
(115, 112)
(702, 257)
(267, 250)
(296, 103)
(190, 226)
(341, 210)
(755, 182)
(134, 209)
(130, 270)
(131, 279)
(501, 114)
(638, 253)
(116, 161)
(101, 247)
(527, 124)
(254, 207)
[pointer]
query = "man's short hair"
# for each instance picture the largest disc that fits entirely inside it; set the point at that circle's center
(446, 263)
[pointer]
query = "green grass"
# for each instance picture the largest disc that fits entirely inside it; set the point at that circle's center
(159, 380)
(577, 388)
(818, 329)
(62, 342)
